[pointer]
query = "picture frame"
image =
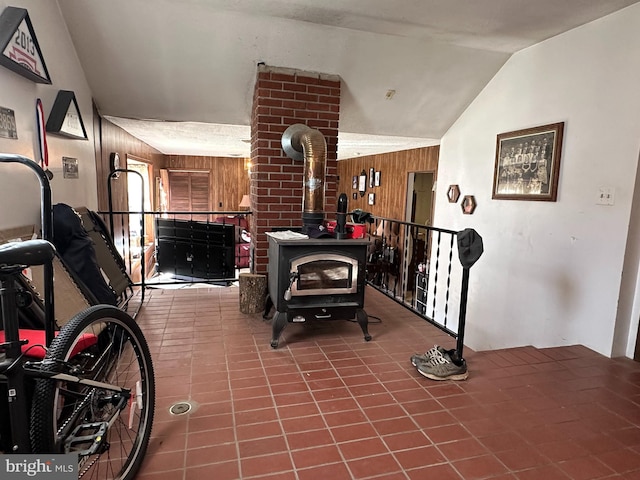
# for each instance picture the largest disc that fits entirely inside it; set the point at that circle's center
(354, 196)
(527, 163)
(468, 204)
(372, 173)
(19, 48)
(362, 183)
(377, 180)
(69, 167)
(453, 194)
(372, 199)
(354, 182)
(65, 118)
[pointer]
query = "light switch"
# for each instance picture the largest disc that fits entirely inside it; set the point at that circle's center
(606, 196)
(611, 196)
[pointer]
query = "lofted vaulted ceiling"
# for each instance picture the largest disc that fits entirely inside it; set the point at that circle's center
(179, 74)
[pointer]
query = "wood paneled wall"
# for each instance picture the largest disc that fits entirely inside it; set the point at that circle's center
(229, 180)
(391, 195)
(115, 139)
(227, 176)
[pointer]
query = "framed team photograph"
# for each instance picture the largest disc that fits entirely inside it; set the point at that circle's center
(527, 164)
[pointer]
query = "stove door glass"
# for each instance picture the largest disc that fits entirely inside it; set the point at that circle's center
(324, 274)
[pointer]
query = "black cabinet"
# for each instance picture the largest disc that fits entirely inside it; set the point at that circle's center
(195, 249)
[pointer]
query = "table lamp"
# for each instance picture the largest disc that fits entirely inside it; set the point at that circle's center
(245, 202)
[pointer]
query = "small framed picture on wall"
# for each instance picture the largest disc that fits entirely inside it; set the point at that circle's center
(468, 204)
(354, 182)
(377, 181)
(372, 199)
(372, 174)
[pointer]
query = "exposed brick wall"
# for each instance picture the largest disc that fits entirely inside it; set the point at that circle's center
(283, 97)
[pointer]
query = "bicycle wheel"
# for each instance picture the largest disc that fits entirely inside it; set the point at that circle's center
(108, 429)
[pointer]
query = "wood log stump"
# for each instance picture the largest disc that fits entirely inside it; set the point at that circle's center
(253, 292)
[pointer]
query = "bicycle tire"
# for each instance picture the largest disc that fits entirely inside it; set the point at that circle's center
(120, 356)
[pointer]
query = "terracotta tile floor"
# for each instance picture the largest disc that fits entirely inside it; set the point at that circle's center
(327, 405)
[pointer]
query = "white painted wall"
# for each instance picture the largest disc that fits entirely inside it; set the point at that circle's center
(19, 187)
(551, 271)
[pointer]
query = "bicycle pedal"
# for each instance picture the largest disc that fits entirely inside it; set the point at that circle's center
(24, 299)
(89, 437)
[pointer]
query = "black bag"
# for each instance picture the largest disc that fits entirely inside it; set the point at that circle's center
(78, 252)
(470, 247)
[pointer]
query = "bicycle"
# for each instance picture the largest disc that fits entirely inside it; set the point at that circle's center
(92, 393)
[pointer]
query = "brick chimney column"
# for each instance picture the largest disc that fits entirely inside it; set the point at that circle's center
(283, 97)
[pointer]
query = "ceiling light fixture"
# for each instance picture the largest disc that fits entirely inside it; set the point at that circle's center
(389, 95)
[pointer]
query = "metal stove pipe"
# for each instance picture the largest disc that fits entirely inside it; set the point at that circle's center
(300, 142)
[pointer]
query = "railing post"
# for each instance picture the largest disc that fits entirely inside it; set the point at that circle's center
(143, 261)
(462, 318)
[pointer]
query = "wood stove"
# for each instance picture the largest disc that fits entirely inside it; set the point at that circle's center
(317, 279)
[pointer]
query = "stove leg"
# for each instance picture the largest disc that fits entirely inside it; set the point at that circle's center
(267, 307)
(363, 321)
(279, 321)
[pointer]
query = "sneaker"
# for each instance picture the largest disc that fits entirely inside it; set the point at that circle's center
(437, 350)
(443, 368)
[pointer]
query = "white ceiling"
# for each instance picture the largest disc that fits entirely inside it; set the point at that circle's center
(179, 74)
